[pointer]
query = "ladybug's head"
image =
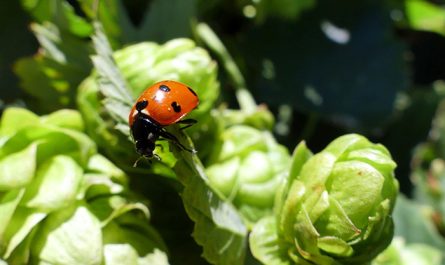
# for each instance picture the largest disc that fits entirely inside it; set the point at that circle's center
(145, 148)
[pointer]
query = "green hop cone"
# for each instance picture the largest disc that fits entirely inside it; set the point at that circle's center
(247, 168)
(142, 65)
(335, 207)
(59, 198)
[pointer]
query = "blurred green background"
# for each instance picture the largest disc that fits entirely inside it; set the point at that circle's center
(323, 68)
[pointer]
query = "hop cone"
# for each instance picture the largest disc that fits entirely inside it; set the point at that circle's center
(336, 206)
(248, 168)
(63, 203)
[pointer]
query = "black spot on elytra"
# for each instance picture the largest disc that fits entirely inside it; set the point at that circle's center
(176, 106)
(193, 92)
(141, 105)
(164, 88)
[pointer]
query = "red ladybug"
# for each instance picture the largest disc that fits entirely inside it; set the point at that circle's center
(164, 103)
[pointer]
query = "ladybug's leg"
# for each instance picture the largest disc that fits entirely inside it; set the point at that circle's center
(175, 140)
(187, 122)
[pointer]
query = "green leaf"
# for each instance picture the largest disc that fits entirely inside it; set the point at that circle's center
(425, 15)
(219, 228)
(18, 169)
(58, 12)
(55, 186)
(160, 22)
(69, 236)
(118, 100)
(51, 77)
(113, 16)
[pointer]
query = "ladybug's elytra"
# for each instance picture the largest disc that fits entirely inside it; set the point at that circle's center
(162, 104)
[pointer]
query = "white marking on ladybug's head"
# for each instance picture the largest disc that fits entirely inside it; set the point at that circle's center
(144, 111)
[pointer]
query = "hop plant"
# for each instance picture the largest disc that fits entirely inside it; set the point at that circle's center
(247, 169)
(63, 203)
(142, 65)
(335, 207)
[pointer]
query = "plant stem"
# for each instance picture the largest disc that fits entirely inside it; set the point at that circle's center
(310, 126)
(207, 35)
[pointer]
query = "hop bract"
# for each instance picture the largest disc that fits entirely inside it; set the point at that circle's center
(335, 208)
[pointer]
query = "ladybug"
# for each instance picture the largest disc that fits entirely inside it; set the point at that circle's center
(162, 104)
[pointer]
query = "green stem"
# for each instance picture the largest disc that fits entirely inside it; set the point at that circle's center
(208, 36)
(310, 126)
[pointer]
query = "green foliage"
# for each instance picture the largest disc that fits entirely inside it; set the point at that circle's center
(69, 193)
(218, 227)
(51, 77)
(142, 65)
(424, 15)
(59, 196)
(60, 13)
(170, 22)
